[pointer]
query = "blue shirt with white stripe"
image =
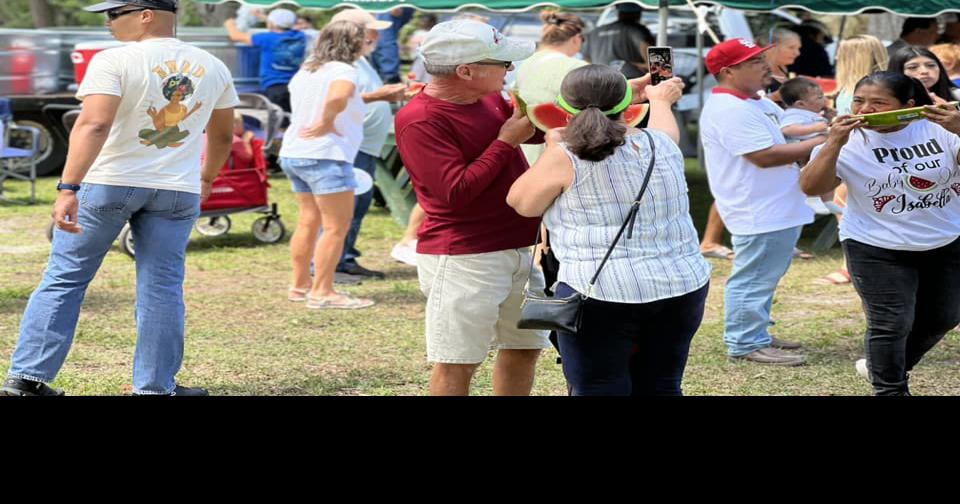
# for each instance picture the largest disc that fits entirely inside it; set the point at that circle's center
(662, 259)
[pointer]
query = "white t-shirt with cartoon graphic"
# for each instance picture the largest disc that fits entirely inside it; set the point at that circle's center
(751, 200)
(308, 95)
(168, 89)
(903, 187)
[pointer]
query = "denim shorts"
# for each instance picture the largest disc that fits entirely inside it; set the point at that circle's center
(319, 176)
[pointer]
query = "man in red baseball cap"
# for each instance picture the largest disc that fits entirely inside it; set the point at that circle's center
(754, 179)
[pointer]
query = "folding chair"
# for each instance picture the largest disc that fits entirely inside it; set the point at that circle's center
(17, 162)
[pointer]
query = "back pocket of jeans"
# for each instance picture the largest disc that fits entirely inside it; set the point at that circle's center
(105, 198)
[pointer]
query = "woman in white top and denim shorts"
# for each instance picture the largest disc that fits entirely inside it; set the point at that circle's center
(649, 298)
(317, 155)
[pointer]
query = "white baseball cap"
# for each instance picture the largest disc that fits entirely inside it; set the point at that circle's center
(282, 18)
(361, 17)
(466, 41)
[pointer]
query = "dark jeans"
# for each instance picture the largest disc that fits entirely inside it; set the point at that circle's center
(911, 299)
(280, 95)
(361, 205)
(631, 349)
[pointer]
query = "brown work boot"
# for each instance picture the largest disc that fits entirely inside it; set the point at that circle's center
(784, 345)
(770, 355)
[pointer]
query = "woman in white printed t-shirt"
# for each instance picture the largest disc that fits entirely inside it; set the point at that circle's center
(317, 155)
(902, 223)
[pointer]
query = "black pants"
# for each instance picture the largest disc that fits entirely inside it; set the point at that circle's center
(911, 299)
(631, 349)
(280, 95)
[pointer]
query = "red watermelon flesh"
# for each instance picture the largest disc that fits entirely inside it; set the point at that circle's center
(549, 115)
(920, 184)
(635, 113)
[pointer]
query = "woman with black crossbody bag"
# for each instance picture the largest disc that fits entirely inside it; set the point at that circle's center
(632, 284)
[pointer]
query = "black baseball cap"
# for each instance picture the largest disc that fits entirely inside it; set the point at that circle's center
(164, 5)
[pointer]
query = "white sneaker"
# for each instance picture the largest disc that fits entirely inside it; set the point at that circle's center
(861, 367)
(405, 253)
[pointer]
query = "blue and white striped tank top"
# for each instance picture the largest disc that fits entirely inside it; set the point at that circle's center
(662, 260)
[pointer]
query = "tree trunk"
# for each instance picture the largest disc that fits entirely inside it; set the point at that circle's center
(215, 15)
(41, 13)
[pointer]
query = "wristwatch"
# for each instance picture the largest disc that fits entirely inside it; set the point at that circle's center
(71, 187)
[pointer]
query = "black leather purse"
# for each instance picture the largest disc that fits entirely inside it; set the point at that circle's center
(540, 311)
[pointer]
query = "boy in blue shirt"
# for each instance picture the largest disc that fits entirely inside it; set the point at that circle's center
(282, 50)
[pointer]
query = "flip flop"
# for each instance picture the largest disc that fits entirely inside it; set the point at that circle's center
(839, 277)
(799, 254)
(297, 295)
(338, 302)
(720, 252)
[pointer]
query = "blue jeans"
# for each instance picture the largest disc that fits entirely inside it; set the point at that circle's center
(161, 222)
(761, 260)
(361, 205)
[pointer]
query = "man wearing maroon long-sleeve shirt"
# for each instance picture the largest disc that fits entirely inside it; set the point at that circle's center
(459, 141)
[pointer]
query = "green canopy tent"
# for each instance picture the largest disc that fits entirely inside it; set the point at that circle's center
(848, 7)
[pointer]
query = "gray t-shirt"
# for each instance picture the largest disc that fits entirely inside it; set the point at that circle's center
(378, 119)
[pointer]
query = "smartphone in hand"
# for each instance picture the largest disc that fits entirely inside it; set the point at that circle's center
(660, 62)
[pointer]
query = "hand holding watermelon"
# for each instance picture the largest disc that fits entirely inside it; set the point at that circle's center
(839, 131)
(517, 129)
(946, 116)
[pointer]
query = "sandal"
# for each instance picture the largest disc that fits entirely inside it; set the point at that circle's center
(719, 252)
(339, 302)
(297, 295)
(839, 277)
(799, 254)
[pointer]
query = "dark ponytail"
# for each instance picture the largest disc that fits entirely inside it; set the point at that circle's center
(903, 88)
(591, 135)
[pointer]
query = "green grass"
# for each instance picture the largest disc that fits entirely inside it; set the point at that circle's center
(245, 338)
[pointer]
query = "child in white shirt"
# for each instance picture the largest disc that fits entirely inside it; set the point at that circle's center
(807, 113)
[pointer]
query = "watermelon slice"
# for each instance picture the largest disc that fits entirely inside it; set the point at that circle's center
(919, 184)
(635, 113)
(956, 188)
(549, 115)
(518, 102)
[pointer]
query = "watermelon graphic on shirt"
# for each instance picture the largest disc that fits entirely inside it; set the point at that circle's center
(881, 201)
(919, 184)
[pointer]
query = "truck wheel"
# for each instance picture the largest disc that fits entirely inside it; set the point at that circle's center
(53, 152)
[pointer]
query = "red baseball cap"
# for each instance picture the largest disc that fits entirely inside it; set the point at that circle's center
(731, 52)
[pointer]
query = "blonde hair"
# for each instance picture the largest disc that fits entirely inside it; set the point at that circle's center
(340, 41)
(559, 27)
(949, 55)
(857, 57)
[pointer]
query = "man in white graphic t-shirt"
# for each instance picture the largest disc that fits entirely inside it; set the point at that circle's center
(754, 179)
(134, 156)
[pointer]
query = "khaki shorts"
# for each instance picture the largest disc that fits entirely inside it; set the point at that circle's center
(473, 304)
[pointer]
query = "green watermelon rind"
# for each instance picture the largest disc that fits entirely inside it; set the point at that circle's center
(908, 182)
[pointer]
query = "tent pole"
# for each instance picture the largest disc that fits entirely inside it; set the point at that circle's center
(662, 31)
(843, 25)
(700, 78)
